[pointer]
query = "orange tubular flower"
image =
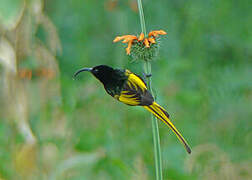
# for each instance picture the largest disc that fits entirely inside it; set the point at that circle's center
(141, 37)
(151, 40)
(129, 47)
(156, 33)
(129, 37)
(147, 42)
(126, 39)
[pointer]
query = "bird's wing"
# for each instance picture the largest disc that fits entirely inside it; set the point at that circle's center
(135, 92)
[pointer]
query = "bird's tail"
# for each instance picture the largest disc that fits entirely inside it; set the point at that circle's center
(161, 114)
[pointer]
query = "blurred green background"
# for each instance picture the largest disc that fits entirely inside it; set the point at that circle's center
(54, 127)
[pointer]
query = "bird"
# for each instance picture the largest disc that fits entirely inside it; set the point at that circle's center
(129, 88)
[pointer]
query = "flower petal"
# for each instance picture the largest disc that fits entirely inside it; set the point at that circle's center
(156, 33)
(146, 42)
(129, 38)
(161, 32)
(118, 38)
(141, 37)
(129, 47)
(133, 37)
(151, 40)
(125, 37)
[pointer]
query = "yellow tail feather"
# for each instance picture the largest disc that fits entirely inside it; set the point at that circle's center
(161, 114)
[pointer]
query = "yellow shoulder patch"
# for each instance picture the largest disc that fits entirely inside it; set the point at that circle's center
(137, 81)
(131, 95)
(127, 72)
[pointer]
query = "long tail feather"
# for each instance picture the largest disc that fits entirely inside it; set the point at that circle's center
(161, 114)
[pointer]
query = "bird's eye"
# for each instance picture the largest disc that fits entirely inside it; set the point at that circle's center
(95, 70)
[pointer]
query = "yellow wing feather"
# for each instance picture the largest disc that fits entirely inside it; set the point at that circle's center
(128, 99)
(135, 83)
(135, 80)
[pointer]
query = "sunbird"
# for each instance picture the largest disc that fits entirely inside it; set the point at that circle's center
(131, 89)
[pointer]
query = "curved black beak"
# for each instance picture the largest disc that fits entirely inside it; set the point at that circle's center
(81, 70)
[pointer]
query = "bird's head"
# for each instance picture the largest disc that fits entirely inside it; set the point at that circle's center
(101, 72)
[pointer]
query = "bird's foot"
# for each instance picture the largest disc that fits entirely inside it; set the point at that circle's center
(147, 75)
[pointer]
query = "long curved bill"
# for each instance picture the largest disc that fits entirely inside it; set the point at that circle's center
(81, 70)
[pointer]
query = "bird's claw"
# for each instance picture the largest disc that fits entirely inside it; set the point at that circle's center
(147, 75)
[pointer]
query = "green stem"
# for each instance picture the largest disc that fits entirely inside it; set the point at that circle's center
(141, 14)
(155, 130)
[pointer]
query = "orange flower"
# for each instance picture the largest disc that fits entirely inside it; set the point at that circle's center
(146, 42)
(131, 39)
(129, 47)
(125, 37)
(156, 33)
(141, 37)
(151, 40)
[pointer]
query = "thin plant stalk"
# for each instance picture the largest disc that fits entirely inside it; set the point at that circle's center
(155, 130)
